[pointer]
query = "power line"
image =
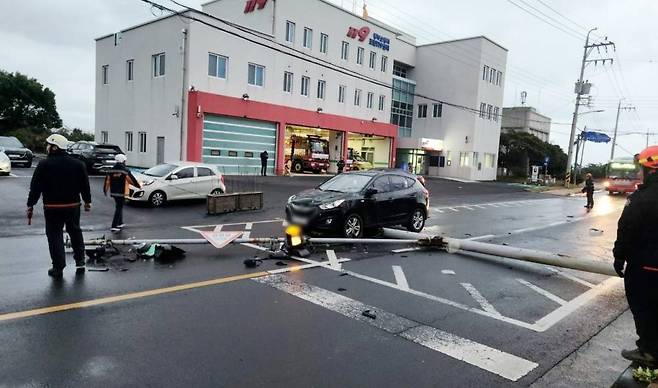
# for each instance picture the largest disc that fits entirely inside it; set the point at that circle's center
(569, 33)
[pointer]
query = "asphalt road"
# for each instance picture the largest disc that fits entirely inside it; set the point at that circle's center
(434, 319)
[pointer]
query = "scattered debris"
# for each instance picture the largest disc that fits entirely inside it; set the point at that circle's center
(570, 216)
(123, 269)
(404, 256)
(595, 232)
(281, 263)
(342, 289)
(98, 269)
(468, 235)
(645, 375)
(343, 274)
(162, 253)
(369, 314)
(253, 263)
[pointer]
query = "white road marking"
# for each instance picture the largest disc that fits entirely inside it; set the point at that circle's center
(479, 206)
(246, 234)
(218, 228)
(254, 246)
(333, 260)
(541, 291)
(301, 267)
(493, 205)
(484, 357)
(403, 250)
(468, 208)
(438, 210)
(571, 277)
(448, 272)
(400, 279)
(453, 209)
(482, 237)
(248, 226)
(195, 228)
(484, 303)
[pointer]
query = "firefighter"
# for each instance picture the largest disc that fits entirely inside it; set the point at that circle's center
(117, 182)
(636, 248)
(61, 180)
(589, 190)
(263, 162)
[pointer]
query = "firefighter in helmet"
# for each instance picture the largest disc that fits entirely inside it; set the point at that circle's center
(636, 259)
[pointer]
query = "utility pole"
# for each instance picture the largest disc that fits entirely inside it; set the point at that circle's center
(582, 88)
(614, 136)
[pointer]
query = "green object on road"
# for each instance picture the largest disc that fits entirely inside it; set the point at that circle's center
(645, 375)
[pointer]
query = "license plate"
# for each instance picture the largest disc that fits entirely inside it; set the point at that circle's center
(299, 220)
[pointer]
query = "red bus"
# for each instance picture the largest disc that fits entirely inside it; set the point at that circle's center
(623, 176)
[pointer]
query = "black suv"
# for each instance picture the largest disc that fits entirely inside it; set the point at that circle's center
(16, 152)
(352, 202)
(97, 157)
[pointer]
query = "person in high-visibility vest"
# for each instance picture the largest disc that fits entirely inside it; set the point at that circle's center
(636, 259)
(118, 182)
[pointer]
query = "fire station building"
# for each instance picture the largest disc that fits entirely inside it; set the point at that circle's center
(311, 84)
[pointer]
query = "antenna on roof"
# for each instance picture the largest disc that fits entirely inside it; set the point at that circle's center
(524, 97)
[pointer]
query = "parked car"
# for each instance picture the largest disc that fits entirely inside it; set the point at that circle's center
(177, 180)
(352, 202)
(5, 163)
(97, 157)
(16, 151)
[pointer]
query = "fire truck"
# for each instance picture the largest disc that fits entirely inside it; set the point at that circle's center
(308, 153)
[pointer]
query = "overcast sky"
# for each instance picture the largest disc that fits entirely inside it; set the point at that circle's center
(53, 41)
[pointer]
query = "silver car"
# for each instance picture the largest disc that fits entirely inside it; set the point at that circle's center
(5, 163)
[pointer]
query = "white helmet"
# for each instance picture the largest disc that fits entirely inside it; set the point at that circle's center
(120, 158)
(58, 140)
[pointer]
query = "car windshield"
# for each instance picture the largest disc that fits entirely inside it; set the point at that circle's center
(10, 142)
(105, 149)
(319, 147)
(161, 170)
(346, 183)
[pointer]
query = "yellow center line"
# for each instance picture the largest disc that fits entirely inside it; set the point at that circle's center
(124, 297)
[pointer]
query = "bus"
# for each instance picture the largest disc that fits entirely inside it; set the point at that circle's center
(623, 176)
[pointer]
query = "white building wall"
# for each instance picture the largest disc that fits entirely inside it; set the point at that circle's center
(147, 103)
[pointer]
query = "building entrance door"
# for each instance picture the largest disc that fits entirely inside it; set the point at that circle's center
(161, 150)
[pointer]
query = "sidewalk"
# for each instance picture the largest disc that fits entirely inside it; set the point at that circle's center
(597, 363)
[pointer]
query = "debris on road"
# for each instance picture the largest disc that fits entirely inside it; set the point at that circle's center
(595, 232)
(341, 289)
(645, 375)
(252, 263)
(369, 314)
(448, 272)
(98, 269)
(281, 263)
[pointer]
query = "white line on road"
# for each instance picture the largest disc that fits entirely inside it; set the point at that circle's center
(468, 208)
(484, 357)
(447, 272)
(246, 234)
(400, 279)
(218, 228)
(541, 291)
(301, 267)
(248, 225)
(333, 260)
(571, 277)
(484, 303)
(453, 209)
(403, 250)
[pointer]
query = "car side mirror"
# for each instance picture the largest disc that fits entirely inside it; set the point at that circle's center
(370, 192)
(173, 177)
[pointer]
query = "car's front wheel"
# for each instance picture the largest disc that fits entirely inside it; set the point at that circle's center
(416, 221)
(353, 226)
(158, 198)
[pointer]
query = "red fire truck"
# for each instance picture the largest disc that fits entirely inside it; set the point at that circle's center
(308, 153)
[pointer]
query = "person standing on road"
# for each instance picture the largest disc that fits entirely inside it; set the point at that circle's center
(117, 182)
(589, 190)
(61, 180)
(637, 248)
(340, 166)
(263, 162)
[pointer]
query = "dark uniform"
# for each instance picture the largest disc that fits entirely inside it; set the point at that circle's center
(117, 183)
(637, 247)
(263, 163)
(61, 180)
(589, 190)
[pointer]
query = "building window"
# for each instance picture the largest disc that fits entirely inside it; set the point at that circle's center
(382, 101)
(217, 65)
(158, 61)
(342, 89)
(129, 141)
(483, 110)
(105, 69)
(345, 51)
(399, 70)
(476, 160)
(373, 60)
(449, 159)
(360, 53)
(324, 43)
(499, 78)
(492, 75)
(370, 100)
(495, 113)
(489, 112)
(384, 63)
(256, 75)
(130, 69)
(142, 142)
(422, 111)
(322, 85)
(290, 32)
(485, 72)
(437, 110)
(357, 97)
(306, 84)
(404, 132)
(104, 137)
(287, 81)
(464, 159)
(308, 38)
(489, 160)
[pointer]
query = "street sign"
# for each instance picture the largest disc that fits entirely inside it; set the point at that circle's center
(220, 239)
(596, 137)
(535, 174)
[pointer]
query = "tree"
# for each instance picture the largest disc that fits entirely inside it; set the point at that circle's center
(27, 109)
(520, 150)
(75, 135)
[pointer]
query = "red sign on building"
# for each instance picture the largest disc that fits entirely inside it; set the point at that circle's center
(251, 5)
(362, 33)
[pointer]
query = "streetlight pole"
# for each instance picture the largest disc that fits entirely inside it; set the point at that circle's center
(614, 135)
(579, 92)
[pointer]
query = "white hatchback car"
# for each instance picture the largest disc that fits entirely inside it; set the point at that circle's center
(5, 163)
(177, 180)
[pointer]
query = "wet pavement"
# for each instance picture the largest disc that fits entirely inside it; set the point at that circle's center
(434, 318)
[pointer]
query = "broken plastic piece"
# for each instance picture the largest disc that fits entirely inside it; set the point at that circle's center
(369, 314)
(98, 269)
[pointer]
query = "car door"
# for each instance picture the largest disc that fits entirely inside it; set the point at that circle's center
(206, 180)
(404, 197)
(180, 184)
(382, 200)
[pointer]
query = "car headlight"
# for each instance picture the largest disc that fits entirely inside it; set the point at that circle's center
(291, 198)
(148, 182)
(332, 205)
